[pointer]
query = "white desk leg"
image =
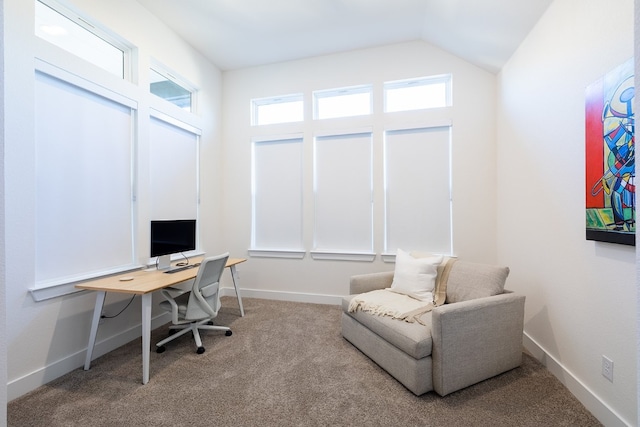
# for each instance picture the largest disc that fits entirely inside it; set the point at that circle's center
(146, 336)
(97, 312)
(236, 279)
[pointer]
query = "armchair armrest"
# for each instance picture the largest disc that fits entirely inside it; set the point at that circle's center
(475, 340)
(362, 283)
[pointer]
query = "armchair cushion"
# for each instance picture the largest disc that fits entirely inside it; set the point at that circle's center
(415, 277)
(412, 338)
(468, 280)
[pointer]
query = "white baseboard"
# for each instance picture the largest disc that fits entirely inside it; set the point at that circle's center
(283, 296)
(603, 412)
(33, 380)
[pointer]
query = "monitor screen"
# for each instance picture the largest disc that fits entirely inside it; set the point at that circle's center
(172, 236)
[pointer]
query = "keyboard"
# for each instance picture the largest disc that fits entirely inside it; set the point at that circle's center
(183, 268)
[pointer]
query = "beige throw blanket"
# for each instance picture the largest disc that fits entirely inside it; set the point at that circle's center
(386, 302)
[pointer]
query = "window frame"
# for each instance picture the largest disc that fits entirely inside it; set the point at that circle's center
(418, 82)
(388, 254)
(93, 28)
(274, 251)
(256, 103)
(65, 284)
(157, 118)
(318, 95)
(176, 79)
(335, 252)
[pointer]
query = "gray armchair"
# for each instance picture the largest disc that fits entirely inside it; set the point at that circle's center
(475, 335)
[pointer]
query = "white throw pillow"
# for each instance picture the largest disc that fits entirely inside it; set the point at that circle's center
(415, 277)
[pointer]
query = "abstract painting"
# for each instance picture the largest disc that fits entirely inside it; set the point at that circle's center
(610, 158)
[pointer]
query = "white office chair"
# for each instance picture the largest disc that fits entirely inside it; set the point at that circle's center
(196, 309)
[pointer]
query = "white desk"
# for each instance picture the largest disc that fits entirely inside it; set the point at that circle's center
(144, 283)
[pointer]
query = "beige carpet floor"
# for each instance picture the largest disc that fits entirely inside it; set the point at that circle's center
(286, 364)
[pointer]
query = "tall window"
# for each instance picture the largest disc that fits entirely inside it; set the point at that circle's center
(84, 207)
(343, 193)
(75, 35)
(173, 169)
(417, 177)
(278, 109)
(415, 94)
(277, 196)
(343, 102)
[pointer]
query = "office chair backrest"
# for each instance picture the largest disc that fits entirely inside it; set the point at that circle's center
(204, 299)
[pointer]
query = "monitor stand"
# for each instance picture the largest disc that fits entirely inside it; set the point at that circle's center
(164, 262)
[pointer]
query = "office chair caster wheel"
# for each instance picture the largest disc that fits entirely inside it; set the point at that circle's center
(228, 333)
(160, 349)
(200, 350)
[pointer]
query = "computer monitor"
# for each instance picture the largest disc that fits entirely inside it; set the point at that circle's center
(171, 237)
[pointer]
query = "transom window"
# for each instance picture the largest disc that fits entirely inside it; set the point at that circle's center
(168, 87)
(343, 102)
(74, 34)
(277, 109)
(416, 94)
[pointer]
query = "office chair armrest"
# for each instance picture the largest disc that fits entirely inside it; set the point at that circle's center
(171, 293)
(167, 294)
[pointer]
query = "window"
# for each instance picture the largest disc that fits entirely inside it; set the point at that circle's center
(415, 94)
(276, 191)
(168, 87)
(407, 168)
(280, 109)
(417, 177)
(173, 169)
(343, 192)
(344, 102)
(77, 36)
(84, 203)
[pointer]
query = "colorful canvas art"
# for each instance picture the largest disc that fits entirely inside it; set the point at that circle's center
(610, 158)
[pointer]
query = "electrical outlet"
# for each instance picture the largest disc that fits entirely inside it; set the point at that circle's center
(607, 368)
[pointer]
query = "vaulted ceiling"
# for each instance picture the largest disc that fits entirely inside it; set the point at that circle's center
(242, 33)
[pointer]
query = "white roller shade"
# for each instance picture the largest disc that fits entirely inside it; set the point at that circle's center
(83, 184)
(418, 190)
(343, 193)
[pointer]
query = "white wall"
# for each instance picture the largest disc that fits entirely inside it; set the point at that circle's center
(3, 318)
(46, 339)
(473, 116)
(581, 295)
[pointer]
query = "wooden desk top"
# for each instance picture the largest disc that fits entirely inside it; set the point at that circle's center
(145, 281)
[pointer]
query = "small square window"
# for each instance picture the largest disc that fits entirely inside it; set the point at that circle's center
(417, 94)
(344, 102)
(281, 109)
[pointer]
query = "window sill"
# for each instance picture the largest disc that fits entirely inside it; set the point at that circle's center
(59, 288)
(50, 292)
(343, 256)
(277, 253)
